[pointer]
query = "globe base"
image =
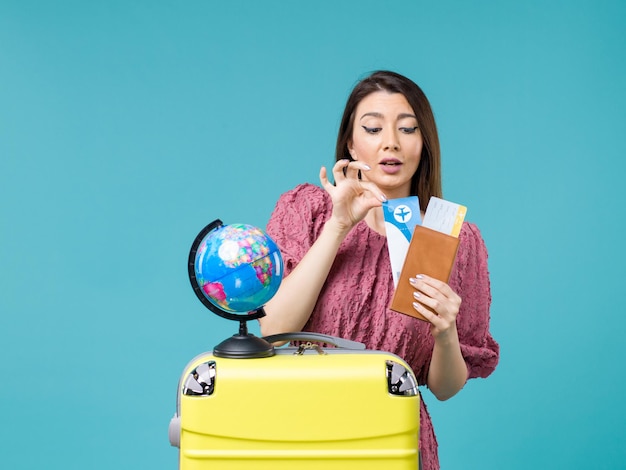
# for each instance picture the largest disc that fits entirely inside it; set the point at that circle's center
(244, 345)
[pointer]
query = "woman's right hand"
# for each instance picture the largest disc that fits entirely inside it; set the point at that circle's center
(352, 197)
(291, 307)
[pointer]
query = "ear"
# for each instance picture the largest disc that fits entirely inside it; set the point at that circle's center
(351, 150)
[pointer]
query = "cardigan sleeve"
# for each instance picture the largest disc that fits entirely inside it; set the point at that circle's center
(296, 222)
(471, 279)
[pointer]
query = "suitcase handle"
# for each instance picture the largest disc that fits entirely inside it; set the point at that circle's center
(318, 337)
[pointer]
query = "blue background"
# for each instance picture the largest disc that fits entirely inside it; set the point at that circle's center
(126, 126)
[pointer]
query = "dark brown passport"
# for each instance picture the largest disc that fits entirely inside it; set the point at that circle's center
(430, 252)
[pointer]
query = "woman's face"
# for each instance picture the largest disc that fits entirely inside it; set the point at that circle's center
(386, 137)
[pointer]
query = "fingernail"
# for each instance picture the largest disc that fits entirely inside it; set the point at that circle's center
(366, 166)
(416, 305)
(419, 276)
(412, 280)
(383, 198)
(416, 295)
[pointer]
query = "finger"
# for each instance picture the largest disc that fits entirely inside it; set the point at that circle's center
(435, 305)
(324, 178)
(349, 169)
(431, 286)
(439, 319)
(339, 168)
(375, 191)
(425, 285)
(426, 313)
(431, 281)
(441, 302)
(355, 167)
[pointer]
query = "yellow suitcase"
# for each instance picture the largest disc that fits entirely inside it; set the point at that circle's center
(306, 407)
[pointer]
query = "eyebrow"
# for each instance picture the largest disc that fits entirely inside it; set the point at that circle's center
(379, 115)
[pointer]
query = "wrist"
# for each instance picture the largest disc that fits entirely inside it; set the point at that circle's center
(336, 228)
(448, 337)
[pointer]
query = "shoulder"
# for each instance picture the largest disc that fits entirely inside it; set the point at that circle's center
(305, 197)
(472, 247)
(297, 219)
(470, 235)
(305, 191)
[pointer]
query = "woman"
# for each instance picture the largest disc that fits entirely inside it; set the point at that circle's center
(338, 274)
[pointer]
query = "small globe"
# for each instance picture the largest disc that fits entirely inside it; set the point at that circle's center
(238, 267)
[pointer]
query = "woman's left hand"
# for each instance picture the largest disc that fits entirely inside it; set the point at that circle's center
(448, 371)
(440, 297)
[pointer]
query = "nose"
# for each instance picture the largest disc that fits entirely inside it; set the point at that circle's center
(391, 141)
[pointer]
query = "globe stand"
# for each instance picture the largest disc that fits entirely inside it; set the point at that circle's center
(243, 345)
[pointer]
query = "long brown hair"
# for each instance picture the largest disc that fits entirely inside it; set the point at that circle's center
(426, 181)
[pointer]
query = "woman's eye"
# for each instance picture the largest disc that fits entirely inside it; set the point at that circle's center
(372, 130)
(409, 130)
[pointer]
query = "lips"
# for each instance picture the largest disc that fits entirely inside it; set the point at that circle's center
(390, 166)
(390, 162)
